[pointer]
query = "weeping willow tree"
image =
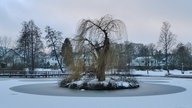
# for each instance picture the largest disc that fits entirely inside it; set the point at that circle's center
(96, 35)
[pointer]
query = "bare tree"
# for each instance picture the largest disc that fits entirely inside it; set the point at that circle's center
(144, 52)
(182, 55)
(30, 44)
(129, 51)
(167, 39)
(4, 44)
(23, 43)
(151, 48)
(189, 47)
(96, 35)
(54, 39)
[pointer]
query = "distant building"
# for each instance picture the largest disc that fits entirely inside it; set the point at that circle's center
(144, 61)
(11, 58)
(51, 61)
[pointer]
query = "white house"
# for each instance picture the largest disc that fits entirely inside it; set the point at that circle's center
(143, 61)
(11, 58)
(51, 61)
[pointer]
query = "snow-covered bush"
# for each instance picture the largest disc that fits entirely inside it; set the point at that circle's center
(111, 83)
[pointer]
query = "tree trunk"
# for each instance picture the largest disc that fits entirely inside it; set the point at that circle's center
(32, 54)
(57, 58)
(101, 67)
(166, 61)
(102, 60)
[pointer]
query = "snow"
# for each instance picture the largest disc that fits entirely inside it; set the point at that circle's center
(122, 84)
(94, 81)
(108, 80)
(11, 99)
(79, 82)
(162, 72)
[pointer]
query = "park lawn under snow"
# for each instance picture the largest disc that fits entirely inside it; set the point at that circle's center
(162, 72)
(11, 99)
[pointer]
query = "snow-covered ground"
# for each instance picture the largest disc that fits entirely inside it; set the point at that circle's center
(162, 72)
(11, 99)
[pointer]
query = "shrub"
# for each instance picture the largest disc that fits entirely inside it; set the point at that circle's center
(93, 84)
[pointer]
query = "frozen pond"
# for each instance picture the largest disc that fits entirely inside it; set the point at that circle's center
(45, 93)
(145, 89)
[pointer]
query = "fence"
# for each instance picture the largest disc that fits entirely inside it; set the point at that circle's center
(31, 74)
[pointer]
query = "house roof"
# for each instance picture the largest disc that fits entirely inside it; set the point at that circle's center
(13, 52)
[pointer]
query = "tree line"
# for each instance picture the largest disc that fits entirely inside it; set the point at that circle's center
(104, 53)
(31, 46)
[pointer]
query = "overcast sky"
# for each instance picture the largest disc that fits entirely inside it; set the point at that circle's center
(143, 18)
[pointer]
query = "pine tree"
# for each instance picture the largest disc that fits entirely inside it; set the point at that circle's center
(67, 52)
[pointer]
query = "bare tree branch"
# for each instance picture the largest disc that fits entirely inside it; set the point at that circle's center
(96, 35)
(167, 39)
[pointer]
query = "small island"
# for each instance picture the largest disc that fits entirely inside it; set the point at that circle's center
(95, 54)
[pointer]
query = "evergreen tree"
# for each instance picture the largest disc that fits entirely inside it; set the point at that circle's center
(182, 56)
(67, 52)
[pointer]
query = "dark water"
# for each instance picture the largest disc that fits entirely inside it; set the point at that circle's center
(52, 89)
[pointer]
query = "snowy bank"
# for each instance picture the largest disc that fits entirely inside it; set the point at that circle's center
(110, 83)
(162, 72)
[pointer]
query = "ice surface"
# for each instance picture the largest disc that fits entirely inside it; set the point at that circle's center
(11, 99)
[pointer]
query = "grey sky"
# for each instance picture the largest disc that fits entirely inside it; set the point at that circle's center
(143, 18)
